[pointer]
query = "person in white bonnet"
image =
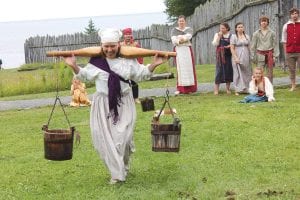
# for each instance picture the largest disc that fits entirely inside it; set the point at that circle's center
(113, 112)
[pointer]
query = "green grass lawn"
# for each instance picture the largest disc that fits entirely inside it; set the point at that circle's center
(249, 150)
(205, 74)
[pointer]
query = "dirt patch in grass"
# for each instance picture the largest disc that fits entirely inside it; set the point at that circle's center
(270, 193)
(230, 195)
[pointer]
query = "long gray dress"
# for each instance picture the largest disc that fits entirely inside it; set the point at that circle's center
(241, 72)
(114, 141)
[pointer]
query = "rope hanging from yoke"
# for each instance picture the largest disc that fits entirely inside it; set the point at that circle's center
(57, 98)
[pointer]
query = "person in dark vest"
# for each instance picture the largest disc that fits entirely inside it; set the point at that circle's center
(129, 41)
(291, 44)
(0, 64)
(224, 71)
(113, 112)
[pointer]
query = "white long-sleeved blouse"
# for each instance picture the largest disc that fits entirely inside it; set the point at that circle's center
(128, 69)
(253, 89)
(216, 39)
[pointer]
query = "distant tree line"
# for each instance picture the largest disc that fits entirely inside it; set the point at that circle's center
(181, 7)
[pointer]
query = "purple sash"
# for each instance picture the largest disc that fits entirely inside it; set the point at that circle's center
(114, 86)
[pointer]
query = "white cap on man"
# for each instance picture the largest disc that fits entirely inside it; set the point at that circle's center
(110, 35)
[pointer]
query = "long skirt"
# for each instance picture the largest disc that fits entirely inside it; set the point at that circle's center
(113, 142)
(186, 72)
(224, 71)
(241, 77)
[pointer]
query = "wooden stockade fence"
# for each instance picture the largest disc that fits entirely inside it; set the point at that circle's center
(154, 37)
(36, 47)
(206, 19)
(205, 23)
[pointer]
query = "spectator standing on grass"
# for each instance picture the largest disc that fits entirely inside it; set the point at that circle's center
(264, 48)
(129, 41)
(186, 73)
(291, 44)
(224, 72)
(240, 50)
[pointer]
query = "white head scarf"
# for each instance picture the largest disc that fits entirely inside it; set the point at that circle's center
(110, 35)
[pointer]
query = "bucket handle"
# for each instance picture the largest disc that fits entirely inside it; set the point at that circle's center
(164, 105)
(57, 99)
(72, 128)
(62, 107)
(176, 120)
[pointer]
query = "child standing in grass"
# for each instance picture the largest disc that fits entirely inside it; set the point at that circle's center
(260, 88)
(264, 48)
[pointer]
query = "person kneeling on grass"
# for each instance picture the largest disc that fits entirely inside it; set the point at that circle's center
(260, 88)
(79, 94)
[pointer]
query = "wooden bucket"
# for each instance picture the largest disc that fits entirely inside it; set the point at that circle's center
(147, 104)
(58, 143)
(165, 137)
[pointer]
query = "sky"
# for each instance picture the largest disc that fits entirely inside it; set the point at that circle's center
(16, 10)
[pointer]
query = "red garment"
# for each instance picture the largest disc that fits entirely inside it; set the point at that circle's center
(221, 55)
(269, 60)
(127, 31)
(293, 38)
(261, 92)
(191, 88)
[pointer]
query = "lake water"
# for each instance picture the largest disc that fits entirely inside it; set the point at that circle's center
(14, 34)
